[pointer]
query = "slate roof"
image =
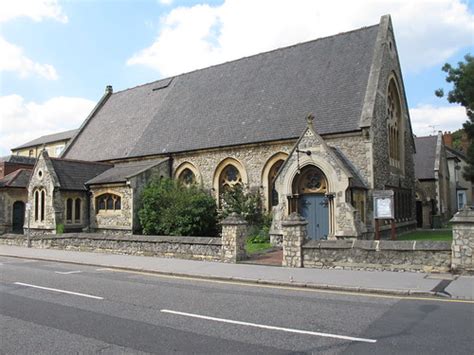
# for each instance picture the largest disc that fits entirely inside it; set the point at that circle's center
(50, 138)
(73, 174)
(122, 172)
(18, 159)
(19, 178)
(264, 97)
(425, 157)
(454, 153)
(357, 180)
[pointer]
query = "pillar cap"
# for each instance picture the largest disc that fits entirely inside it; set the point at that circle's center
(464, 215)
(233, 219)
(294, 219)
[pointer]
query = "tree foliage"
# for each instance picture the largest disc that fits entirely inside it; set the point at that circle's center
(245, 203)
(169, 208)
(462, 78)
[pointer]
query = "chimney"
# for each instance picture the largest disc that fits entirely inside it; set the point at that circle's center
(448, 139)
(109, 89)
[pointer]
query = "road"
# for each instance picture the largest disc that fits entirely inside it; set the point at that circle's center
(55, 308)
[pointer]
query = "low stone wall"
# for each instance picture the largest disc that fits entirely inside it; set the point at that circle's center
(195, 248)
(426, 256)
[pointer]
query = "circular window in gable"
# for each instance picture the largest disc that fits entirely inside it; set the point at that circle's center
(40, 174)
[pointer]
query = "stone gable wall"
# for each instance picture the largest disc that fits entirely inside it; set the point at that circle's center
(48, 182)
(384, 174)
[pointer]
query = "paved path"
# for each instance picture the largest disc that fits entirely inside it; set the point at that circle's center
(402, 283)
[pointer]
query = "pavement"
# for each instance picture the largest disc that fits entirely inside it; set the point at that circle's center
(380, 282)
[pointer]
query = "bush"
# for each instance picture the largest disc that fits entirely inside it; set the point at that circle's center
(169, 208)
(59, 228)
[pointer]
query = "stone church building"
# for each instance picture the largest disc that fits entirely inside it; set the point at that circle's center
(315, 128)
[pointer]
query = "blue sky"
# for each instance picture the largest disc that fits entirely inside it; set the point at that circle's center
(58, 56)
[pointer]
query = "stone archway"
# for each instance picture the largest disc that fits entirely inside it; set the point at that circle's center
(18, 216)
(311, 187)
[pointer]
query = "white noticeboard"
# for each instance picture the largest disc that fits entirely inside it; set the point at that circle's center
(383, 204)
(28, 206)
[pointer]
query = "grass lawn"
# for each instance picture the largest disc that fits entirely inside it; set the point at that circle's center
(428, 235)
(252, 248)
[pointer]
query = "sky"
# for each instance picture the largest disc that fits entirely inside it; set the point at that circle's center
(56, 57)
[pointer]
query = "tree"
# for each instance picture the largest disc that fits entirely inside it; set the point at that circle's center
(462, 78)
(169, 208)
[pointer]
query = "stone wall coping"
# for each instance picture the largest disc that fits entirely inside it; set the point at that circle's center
(294, 219)
(233, 219)
(400, 245)
(126, 238)
(466, 215)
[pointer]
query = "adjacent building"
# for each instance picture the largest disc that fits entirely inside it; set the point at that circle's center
(54, 144)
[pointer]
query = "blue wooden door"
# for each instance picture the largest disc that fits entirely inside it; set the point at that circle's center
(314, 208)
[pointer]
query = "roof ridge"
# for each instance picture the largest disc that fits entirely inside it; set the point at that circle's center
(251, 56)
(82, 161)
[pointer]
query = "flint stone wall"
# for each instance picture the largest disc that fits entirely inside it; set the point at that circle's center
(425, 256)
(194, 248)
(463, 241)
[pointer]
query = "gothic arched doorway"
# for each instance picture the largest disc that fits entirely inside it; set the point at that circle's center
(18, 216)
(311, 187)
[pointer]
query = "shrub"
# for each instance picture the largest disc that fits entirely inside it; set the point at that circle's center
(59, 228)
(169, 208)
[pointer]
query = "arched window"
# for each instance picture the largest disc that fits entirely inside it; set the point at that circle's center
(77, 210)
(394, 125)
(69, 210)
(187, 177)
(311, 180)
(108, 202)
(272, 193)
(43, 195)
(229, 178)
(36, 205)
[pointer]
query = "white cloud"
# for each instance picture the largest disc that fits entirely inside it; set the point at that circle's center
(12, 57)
(428, 119)
(22, 121)
(427, 31)
(36, 10)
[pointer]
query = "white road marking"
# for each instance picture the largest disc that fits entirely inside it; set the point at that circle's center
(270, 327)
(68, 272)
(104, 269)
(61, 291)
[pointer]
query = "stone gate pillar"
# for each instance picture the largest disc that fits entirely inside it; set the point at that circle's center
(294, 235)
(463, 241)
(234, 233)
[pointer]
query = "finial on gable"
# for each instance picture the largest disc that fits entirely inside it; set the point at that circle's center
(310, 119)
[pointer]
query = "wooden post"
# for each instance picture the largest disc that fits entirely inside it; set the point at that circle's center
(377, 231)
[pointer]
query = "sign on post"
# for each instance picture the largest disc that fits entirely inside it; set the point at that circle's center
(383, 204)
(384, 208)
